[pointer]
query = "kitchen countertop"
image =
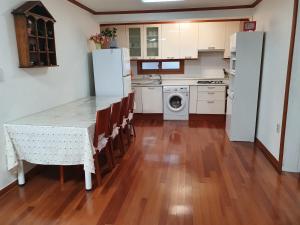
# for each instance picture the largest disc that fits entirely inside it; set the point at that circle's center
(180, 81)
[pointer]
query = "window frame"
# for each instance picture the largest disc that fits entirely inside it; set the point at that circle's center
(142, 71)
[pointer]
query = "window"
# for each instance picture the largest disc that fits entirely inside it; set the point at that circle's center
(161, 67)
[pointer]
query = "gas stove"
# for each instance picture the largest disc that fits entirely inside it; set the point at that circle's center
(210, 82)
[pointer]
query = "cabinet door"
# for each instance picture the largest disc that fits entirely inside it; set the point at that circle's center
(231, 28)
(188, 40)
(135, 37)
(152, 40)
(152, 99)
(193, 99)
(211, 35)
(170, 41)
(138, 104)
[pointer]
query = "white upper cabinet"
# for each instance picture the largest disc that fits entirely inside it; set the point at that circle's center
(135, 39)
(188, 39)
(231, 28)
(170, 41)
(211, 36)
(152, 40)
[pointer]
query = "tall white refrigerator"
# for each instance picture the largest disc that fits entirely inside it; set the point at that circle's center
(112, 72)
(245, 69)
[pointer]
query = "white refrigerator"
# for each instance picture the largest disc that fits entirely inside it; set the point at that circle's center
(242, 101)
(112, 72)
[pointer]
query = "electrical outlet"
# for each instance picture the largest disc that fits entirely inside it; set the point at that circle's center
(278, 128)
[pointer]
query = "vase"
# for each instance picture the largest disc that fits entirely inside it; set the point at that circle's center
(113, 43)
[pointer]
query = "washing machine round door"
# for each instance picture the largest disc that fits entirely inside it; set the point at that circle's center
(176, 102)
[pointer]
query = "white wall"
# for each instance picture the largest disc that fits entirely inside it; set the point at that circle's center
(208, 65)
(26, 91)
(292, 142)
(213, 14)
(275, 18)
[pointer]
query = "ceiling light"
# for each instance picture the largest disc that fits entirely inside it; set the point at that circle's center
(151, 1)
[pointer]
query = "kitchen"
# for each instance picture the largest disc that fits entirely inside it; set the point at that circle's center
(198, 100)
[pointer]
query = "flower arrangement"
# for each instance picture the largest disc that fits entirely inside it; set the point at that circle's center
(105, 39)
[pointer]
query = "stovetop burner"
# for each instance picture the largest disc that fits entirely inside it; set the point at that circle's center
(210, 82)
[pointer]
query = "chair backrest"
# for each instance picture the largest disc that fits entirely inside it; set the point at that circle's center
(131, 102)
(115, 115)
(102, 124)
(124, 110)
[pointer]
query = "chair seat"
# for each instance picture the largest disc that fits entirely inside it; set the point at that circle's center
(130, 116)
(124, 123)
(102, 141)
(115, 132)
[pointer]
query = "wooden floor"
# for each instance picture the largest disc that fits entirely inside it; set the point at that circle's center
(174, 173)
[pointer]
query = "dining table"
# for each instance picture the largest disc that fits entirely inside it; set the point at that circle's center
(61, 136)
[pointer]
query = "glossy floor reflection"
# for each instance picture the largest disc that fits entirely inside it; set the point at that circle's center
(175, 173)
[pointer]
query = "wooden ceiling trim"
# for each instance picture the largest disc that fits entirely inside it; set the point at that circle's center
(171, 22)
(254, 4)
(82, 6)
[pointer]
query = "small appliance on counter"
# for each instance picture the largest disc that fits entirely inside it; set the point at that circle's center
(112, 73)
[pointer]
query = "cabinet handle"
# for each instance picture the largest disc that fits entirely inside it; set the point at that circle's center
(170, 57)
(211, 87)
(210, 102)
(211, 48)
(211, 93)
(150, 88)
(188, 57)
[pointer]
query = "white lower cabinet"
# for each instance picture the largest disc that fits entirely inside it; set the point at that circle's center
(193, 99)
(152, 99)
(211, 100)
(138, 104)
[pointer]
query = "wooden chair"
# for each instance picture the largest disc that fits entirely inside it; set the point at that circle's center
(101, 142)
(115, 129)
(131, 113)
(122, 122)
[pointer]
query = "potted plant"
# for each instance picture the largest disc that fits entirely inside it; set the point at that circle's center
(97, 40)
(110, 36)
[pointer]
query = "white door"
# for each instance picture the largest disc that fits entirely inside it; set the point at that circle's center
(188, 40)
(211, 35)
(231, 28)
(126, 62)
(135, 39)
(170, 41)
(138, 104)
(126, 85)
(152, 99)
(152, 40)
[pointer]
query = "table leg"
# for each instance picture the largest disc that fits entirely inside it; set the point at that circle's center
(21, 175)
(88, 181)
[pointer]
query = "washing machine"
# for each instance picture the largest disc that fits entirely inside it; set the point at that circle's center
(176, 102)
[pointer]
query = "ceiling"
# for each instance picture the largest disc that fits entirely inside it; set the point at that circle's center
(131, 5)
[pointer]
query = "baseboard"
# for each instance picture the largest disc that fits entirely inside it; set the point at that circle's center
(215, 117)
(275, 163)
(149, 116)
(33, 172)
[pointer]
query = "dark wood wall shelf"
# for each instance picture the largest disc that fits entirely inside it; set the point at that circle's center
(35, 35)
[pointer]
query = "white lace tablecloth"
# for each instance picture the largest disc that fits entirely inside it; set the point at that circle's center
(58, 136)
